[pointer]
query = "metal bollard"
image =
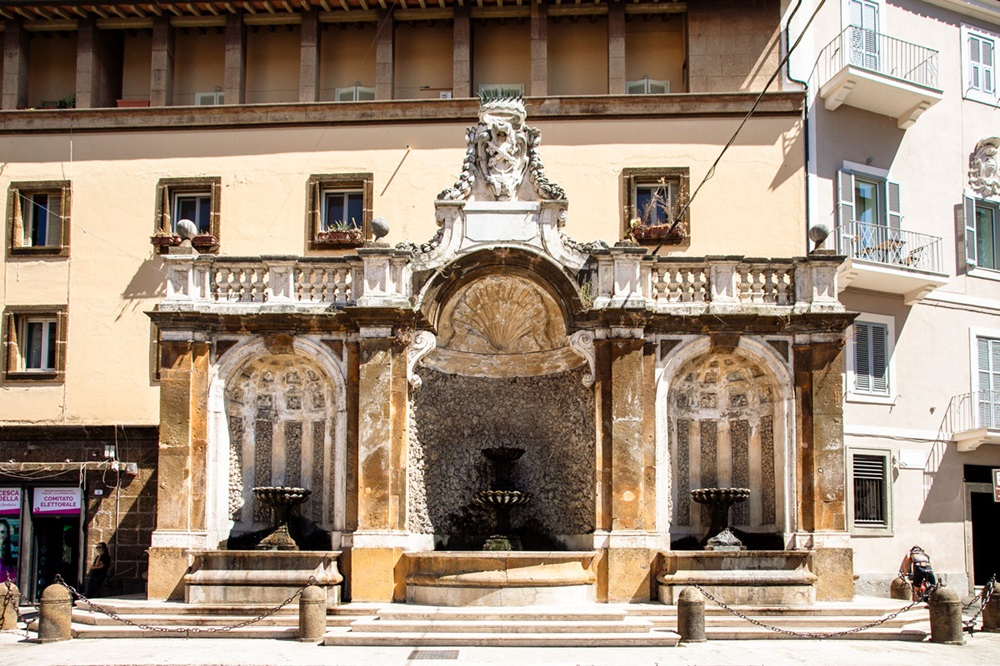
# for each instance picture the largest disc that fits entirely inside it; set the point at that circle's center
(10, 597)
(54, 614)
(991, 613)
(691, 615)
(946, 617)
(312, 614)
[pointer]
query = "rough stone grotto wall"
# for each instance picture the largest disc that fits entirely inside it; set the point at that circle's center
(455, 417)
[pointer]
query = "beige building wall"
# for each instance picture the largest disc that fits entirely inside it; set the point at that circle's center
(136, 65)
(52, 68)
(199, 63)
(732, 45)
(423, 54)
(347, 56)
(273, 64)
(501, 53)
(578, 55)
(654, 48)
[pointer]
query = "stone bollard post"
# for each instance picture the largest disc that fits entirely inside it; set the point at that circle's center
(10, 597)
(312, 614)
(691, 615)
(54, 612)
(991, 613)
(900, 589)
(946, 617)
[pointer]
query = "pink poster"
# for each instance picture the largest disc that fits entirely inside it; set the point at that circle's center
(56, 502)
(10, 502)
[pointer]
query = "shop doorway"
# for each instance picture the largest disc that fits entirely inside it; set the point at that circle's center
(985, 518)
(56, 550)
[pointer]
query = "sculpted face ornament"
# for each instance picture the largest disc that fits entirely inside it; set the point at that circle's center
(984, 173)
(501, 151)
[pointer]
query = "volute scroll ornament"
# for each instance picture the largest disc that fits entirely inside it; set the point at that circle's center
(984, 171)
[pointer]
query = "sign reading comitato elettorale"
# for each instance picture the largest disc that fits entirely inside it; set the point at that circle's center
(56, 502)
(10, 501)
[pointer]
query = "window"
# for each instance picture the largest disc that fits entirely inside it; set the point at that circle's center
(214, 98)
(868, 215)
(870, 498)
(655, 204)
(340, 209)
(864, 34)
(979, 50)
(34, 340)
(355, 93)
(988, 382)
(647, 86)
(978, 234)
(38, 217)
(869, 372)
(195, 199)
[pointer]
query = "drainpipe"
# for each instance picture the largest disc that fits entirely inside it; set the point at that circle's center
(805, 121)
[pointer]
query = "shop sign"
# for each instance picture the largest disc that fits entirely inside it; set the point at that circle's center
(996, 485)
(10, 501)
(56, 502)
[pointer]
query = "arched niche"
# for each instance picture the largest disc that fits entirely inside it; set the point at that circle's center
(504, 372)
(278, 418)
(726, 416)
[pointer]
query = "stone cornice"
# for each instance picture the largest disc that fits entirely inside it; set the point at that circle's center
(326, 114)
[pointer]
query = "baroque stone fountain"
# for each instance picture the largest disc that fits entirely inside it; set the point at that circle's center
(282, 500)
(719, 501)
(503, 496)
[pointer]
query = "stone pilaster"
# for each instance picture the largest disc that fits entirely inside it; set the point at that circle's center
(235, 81)
(539, 50)
(462, 53)
(384, 56)
(161, 78)
(309, 57)
(616, 48)
(181, 465)
(16, 52)
(90, 74)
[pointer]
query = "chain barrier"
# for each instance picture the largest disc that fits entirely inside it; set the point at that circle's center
(8, 598)
(985, 594)
(178, 629)
(804, 634)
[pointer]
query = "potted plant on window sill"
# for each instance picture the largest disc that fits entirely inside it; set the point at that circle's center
(341, 234)
(202, 242)
(671, 233)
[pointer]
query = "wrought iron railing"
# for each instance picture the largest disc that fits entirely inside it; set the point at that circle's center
(881, 54)
(892, 247)
(973, 411)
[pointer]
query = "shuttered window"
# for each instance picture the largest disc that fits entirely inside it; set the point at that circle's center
(871, 358)
(982, 54)
(988, 354)
(871, 507)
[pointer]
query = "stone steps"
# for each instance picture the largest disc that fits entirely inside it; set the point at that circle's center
(649, 638)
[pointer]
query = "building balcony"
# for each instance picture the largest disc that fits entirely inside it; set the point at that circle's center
(878, 73)
(974, 419)
(888, 260)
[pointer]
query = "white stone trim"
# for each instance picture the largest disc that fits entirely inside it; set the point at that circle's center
(178, 539)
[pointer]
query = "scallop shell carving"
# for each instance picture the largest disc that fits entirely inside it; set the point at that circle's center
(505, 316)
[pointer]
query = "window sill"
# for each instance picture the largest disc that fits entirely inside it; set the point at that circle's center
(664, 233)
(40, 376)
(984, 273)
(42, 251)
(871, 399)
(206, 243)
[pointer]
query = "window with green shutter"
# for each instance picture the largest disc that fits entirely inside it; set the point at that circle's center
(871, 358)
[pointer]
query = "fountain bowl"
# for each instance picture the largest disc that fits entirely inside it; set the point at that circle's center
(726, 496)
(502, 497)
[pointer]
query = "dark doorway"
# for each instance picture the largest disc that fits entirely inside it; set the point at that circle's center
(56, 550)
(985, 537)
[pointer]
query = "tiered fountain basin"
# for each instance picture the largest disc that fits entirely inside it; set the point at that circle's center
(259, 576)
(758, 577)
(500, 578)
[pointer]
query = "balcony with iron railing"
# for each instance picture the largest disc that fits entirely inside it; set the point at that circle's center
(878, 73)
(974, 419)
(890, 260)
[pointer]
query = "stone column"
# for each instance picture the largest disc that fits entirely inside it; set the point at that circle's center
(309, 57)
(616, 48)
(161, 80)
(89, 66)
(379, 541)
(385, 66)
(16, 52)
(461, 85)
(235, 82)
(182, 463)
(629, 558)
(539, 50)
(822, 506)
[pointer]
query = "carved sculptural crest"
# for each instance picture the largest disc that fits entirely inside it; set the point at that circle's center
(984, 172)
(501, 151)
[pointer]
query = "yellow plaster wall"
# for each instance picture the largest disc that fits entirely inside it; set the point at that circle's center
(273, 64)
(52, 67)
(654, 47)
(423, 54)
(136, 66)
(347, 56)
(578, 56)
(199, 64)
(501, 53)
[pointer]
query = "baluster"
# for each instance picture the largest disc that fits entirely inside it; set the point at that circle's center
(341, 288)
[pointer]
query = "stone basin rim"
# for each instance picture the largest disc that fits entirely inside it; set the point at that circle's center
(502, 554)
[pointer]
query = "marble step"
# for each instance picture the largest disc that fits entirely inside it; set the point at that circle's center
(125, 631)
(489, 614)
(473, 639)
(164, 620)
(508, 626)
(123, 606)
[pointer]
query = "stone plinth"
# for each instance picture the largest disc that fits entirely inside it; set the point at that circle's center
(507, 578)
(259, 576)
(760, 577)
